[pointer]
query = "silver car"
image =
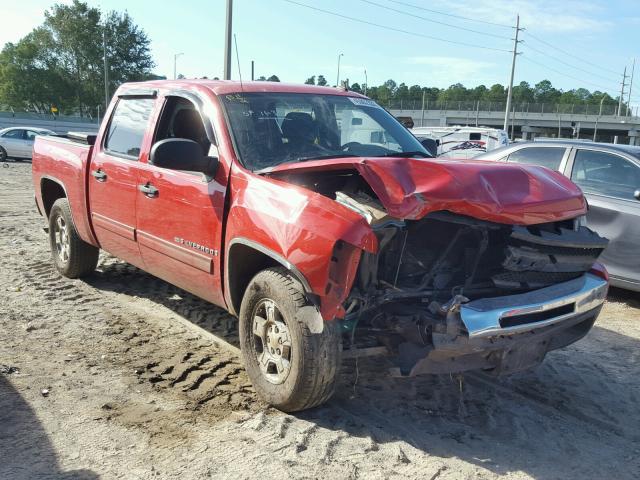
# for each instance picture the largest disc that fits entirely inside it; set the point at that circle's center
(17, 142)
(609, 176)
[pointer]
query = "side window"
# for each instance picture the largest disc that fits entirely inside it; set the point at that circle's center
(17, 134)
(549, 157)
(31, 135)
(605, 174)
(128, 125)
(181, 119)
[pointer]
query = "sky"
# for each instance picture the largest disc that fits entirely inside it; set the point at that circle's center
(571, 43)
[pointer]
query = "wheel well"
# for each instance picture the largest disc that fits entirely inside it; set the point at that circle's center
(51, 191)
(243, 264)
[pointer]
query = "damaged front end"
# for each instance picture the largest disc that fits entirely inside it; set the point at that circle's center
(449, 293)
(446, 291)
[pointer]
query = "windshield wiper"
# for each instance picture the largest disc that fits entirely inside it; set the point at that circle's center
(405, 154)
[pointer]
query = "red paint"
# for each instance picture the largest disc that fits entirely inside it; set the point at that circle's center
(320, 238)
(496, 192)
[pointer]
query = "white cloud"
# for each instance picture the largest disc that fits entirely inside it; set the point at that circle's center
(539, 16)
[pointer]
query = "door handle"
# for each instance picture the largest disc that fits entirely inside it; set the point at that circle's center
(99, 175)
(149, 190)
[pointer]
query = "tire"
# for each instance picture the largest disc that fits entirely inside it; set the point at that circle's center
(72, 256)
(313, 358)
(3, 155)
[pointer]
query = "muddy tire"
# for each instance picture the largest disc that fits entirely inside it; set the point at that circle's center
(72, 256)
(3, 155)
(290, 367)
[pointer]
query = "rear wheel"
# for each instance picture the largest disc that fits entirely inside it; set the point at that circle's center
(72, 256)
(3, 155)
(290, 367)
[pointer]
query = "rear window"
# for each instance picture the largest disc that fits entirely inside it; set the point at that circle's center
(127, 127)
(549, 157)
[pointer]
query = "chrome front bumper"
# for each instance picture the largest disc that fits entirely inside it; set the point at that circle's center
(514, 314)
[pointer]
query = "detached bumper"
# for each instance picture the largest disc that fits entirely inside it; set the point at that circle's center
(511, 333)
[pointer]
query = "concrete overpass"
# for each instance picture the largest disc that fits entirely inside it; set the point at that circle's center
(529, 124)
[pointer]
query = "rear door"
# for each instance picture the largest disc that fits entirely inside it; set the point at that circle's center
(609, 182)
(179, 225)
(113, 176)
(30, 138)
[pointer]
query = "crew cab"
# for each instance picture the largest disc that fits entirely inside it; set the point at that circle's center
(317, 219)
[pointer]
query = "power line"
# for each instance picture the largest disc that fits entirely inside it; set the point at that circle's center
(608, 79)
(452, 15)
(435, 21)
(566, 75)
(393, 29)
(571, 54)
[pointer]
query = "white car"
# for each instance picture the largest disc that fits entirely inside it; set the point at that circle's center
(17, 142)
(462, 142)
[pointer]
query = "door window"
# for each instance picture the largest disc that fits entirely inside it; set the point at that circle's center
(31, 135)
(605, 174)
(128, 125)
(181, 119)
(17, 134)
(549, 157)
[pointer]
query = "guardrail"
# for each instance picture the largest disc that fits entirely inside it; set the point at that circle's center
(518, 107)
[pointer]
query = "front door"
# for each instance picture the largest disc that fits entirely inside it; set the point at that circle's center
(609, 182)
(179, 217)
(113, 178)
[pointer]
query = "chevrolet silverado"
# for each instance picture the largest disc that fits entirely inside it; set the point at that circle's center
(317, 219)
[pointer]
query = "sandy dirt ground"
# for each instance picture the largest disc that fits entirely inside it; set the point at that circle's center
(106, 378)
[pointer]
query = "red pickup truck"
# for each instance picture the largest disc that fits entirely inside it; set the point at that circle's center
(318, 220)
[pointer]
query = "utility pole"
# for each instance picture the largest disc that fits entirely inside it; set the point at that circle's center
(252, 69)
(624, 84)
(366, 82)
(633, 68)
(513, 70)
(227, 42)
(175, 65)
(338, 77)
(106, 70)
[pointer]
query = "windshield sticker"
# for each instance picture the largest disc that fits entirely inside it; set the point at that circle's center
(363, 102)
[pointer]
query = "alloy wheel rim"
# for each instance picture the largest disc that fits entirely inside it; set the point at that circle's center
(61, 236)
(271, 341)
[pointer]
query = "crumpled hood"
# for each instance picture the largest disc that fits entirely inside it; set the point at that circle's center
(498, 192)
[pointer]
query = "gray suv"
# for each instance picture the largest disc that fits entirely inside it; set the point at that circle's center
(609, 176)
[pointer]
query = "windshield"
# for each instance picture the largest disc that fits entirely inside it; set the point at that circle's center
(274, 128)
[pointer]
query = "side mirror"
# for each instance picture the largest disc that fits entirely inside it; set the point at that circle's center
(637, 194)
(182, 154)
(430, 145)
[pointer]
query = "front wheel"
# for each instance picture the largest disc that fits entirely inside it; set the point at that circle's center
(72, 256)
(291, 367)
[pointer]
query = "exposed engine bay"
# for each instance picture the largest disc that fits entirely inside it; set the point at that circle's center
(425, 269)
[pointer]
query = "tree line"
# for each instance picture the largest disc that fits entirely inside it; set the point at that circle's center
(392, 93)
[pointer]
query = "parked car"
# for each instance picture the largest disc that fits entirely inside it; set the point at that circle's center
(17, 142)
(460, 142)
(609, 175)
(267, 200)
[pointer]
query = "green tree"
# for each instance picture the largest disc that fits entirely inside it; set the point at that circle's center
(321, 81)
(64, 58)
(356, 88)
(273, 78)
(310, 81)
